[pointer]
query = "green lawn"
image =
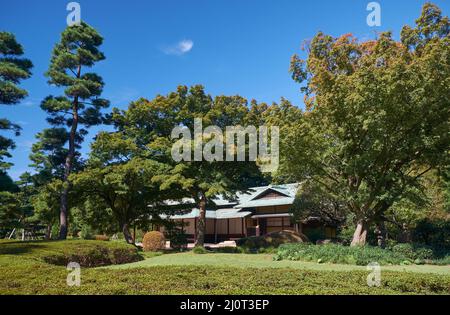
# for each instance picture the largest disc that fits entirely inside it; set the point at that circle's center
(263, 261)
(25, 269)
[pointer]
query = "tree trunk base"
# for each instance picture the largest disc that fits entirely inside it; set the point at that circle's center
(360, 235)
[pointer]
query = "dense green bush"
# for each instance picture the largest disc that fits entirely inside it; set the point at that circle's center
(178, 239)
(92, 254)
(200, 250)
(229, 250)
(86, 233)
(333, 253)
(272, 240)
(413, 252)
(433, 232)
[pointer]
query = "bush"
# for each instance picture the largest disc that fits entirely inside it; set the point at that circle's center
(86, 233)
(413, 252)
(154, 241)
(178, 239)
(200, 250)
(272, 240)
(333, 253)
(229, 250)
(93, 254)
(432, 232)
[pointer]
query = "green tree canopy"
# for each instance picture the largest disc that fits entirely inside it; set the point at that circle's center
(377, 116)
(148, 124)
(13, 69)
(116, 186)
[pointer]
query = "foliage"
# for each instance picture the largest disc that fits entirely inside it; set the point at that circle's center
(272, 240)
(313, 201)
(200, 250)
(116, 188)
(86, 232)
(23, 271)
(94, 255)
(15, 203)
(13, 69)
(81, 104)
(413, 252)
(154, 241)
(10, 212)
(332, 253)
(377, 117)
(149, 125)
(177, 237)
(433, 232)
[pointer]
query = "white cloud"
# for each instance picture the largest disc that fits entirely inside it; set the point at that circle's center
(179, 48)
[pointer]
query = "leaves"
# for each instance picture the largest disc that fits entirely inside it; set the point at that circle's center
(377, 118)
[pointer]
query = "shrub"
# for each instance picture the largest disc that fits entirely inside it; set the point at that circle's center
(200, 250)
(333, 253)
(413, 252)
(432, 232)
(154, 241)
(178, 239)
(256, 243)
(86, 233)
(93, 254)
(229, 250)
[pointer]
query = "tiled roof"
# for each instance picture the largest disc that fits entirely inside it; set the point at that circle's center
(235, 209)
(212, 214)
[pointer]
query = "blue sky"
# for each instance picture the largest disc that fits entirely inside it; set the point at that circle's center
(230, 46)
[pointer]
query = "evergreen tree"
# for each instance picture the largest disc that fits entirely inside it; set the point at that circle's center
(13, 69)
(81, 104)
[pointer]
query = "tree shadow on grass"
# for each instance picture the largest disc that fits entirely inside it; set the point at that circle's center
(20, 248)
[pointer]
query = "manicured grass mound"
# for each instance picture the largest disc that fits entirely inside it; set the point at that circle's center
(86, 253)
(339, 254)
(271, 240)
(23, 270)
(209, 280)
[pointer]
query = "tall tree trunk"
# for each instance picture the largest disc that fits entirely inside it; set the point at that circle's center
(63, 220)
(360, 235)
(126, 233)
(201, 226)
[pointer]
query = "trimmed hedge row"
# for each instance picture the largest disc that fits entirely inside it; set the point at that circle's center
(188, 280)
(95, 257)
(86, 253)
(333, 253)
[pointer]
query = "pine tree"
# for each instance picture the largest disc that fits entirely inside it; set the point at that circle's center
(81, 104)
(13, 69)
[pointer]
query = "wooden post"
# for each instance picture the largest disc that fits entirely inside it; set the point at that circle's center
(215, 231)
(195, 230)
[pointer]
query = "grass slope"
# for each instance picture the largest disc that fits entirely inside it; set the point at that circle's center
(23, 270)
(264, 261)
